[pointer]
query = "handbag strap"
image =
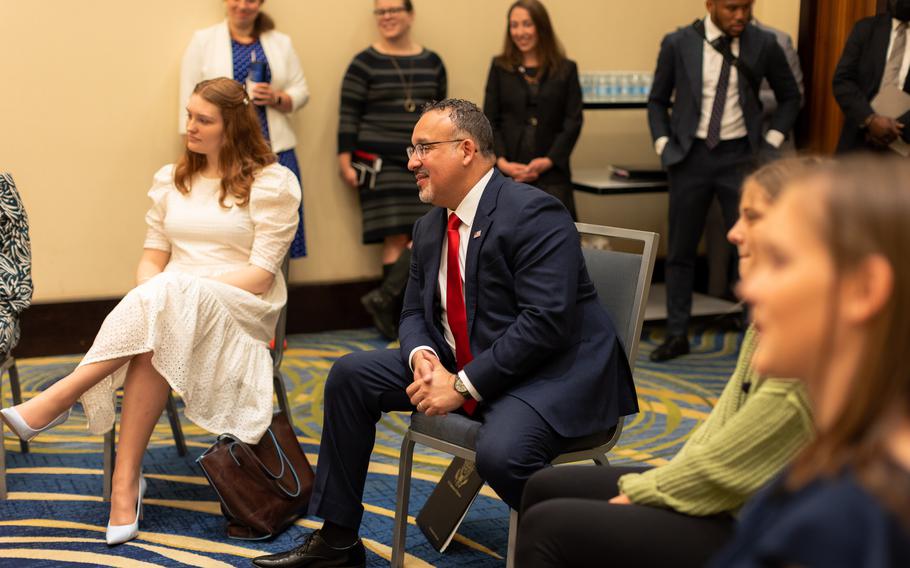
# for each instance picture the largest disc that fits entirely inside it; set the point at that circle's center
(271, 479)
(727, 54)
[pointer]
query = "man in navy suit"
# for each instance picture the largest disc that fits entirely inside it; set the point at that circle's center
(875, 57)
(709, 74)
(511, 330)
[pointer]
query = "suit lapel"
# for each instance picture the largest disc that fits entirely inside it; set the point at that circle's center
(479, 231)
(693, 60)
(878, 45)
(431, 250)
(749, 49)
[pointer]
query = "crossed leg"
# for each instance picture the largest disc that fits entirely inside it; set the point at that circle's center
(145, 394)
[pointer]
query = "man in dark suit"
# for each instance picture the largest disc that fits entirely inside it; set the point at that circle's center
(710, 74)
(876, 55)
(500, 319)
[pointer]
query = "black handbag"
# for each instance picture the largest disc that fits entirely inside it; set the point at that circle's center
(263, 487)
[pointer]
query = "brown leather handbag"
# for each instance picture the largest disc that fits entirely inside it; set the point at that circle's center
(263, 487)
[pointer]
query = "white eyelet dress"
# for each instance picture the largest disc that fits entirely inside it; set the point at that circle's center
(208, 339)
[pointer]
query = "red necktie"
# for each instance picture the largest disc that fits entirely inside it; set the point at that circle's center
(456, 314)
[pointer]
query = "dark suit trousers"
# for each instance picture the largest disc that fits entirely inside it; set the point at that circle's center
(566, 521)
(693, 183)
(513, 443)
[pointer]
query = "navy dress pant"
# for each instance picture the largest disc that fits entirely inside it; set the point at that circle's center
(693, 184)
(513, 443)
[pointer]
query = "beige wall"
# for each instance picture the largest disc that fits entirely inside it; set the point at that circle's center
(89, 99)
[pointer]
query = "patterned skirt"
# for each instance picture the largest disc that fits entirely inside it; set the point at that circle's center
(392, 207)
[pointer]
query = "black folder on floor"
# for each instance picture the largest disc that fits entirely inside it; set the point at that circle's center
(449, 503)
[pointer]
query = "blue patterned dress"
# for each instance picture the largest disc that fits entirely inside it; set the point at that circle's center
(242, 55)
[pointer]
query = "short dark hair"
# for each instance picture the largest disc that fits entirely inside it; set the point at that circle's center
(468, 119)
(408, 6)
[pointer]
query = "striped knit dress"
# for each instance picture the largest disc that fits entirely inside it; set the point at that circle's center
(756, 428)
(374, 119)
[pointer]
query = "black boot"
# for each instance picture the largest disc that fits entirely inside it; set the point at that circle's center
(384, 303)
(315, 552)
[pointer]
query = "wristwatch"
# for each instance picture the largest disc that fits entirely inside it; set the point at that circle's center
(460, 388)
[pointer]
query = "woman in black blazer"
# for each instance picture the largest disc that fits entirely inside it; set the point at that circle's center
(533, 100)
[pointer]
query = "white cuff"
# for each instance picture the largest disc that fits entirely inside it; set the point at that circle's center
(469, 386)
(660, 144)
(775, 138)
(420, 348)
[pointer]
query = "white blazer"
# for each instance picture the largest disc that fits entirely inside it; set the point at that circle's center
(209, 56)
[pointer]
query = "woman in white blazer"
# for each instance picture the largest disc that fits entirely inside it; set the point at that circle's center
(226, 50)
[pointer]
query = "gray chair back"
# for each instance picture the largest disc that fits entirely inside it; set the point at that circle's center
(622, 280)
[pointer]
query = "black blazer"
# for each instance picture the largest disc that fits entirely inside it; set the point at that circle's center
(559, 115)
(536, 328)
(679, 74)
(858, 77)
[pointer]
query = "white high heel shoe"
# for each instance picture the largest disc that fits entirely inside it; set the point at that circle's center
(118, 534)
(25, 432)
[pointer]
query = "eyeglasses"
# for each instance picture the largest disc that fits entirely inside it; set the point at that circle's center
(380, 12)
(420, 150)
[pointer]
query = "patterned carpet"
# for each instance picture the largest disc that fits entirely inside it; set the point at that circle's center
(55, 517)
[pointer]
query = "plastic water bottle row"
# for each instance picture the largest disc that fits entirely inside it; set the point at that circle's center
(616, 86)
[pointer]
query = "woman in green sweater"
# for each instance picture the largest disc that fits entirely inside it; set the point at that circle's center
(680, 513)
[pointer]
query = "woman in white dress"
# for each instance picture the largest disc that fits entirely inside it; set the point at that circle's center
(208, 296)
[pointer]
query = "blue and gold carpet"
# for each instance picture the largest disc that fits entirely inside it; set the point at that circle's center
(54, 515)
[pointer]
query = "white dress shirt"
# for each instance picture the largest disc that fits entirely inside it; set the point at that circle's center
(733, 123)
(465, 211)
(905, 65)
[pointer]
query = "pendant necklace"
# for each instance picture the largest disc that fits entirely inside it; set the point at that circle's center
(409, 104)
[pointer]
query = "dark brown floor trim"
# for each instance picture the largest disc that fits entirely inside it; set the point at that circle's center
(70, 327)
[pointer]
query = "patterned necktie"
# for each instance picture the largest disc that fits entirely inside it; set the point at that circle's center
(896, 58)
(720, 97)
(456, 314)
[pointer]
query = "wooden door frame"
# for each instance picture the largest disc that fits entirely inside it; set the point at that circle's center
(813, 130)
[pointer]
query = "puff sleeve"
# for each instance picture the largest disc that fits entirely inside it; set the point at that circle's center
(274, 200)
(162, 185)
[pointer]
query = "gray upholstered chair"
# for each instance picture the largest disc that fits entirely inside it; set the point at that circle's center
(15, 293)
(622, 280)
(277, 351)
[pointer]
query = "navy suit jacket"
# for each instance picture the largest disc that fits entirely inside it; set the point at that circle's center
(858, 77)
(536, 328)
(679, 75)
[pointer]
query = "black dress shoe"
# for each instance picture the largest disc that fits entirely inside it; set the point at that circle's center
(316, 553)
(672, 347)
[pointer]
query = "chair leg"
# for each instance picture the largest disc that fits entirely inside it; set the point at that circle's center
(109, 457)
(513, 538)
(400, 531)
(17, 396)
(2, 448)
(176, 428)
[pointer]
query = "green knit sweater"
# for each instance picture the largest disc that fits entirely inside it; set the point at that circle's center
(746, 441)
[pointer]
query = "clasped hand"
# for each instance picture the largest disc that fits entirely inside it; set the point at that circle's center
(526, 173)
(433, 390)
(882, 131)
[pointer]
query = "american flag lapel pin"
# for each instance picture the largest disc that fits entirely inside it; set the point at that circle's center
(476, 234)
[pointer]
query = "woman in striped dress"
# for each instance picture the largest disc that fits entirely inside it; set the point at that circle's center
(383, 90)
